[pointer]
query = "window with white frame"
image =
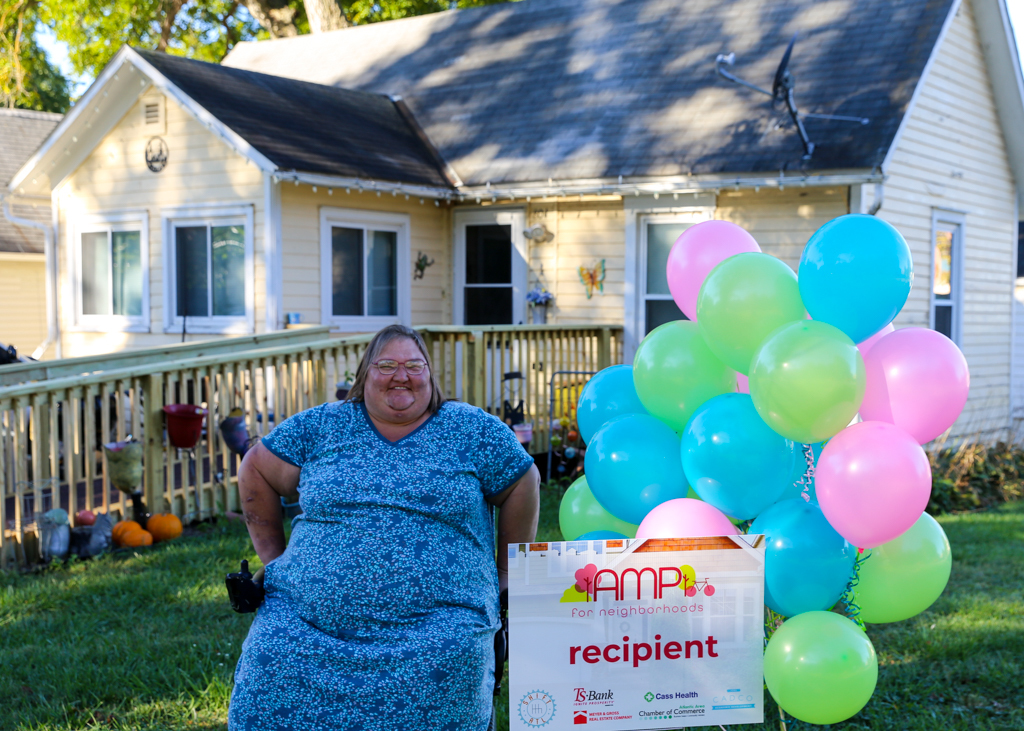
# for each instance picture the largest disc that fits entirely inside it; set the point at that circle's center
(210, 267)
(364, 269)
(111, 256)
(657, 235)
(947, 274)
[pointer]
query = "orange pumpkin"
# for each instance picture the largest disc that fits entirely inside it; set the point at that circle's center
(164, 526)
(137, 537)
(123, 527)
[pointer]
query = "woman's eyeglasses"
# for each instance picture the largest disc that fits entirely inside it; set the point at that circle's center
(390, 367)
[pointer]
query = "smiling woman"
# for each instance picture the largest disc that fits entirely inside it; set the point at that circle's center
(384, 604)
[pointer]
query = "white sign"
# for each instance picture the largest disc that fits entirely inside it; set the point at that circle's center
(625, 634)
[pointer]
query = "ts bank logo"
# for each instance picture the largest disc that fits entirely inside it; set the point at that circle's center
(590, 581)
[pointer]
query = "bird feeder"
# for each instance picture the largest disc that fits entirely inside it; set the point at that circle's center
(184, 424)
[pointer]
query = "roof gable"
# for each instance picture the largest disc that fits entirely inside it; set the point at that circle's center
(596, 89)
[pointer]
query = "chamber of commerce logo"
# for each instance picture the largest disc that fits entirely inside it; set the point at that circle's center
(649, 696)
(536, 709)
(590, 580)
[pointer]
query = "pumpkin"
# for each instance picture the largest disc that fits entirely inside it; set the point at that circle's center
(137, 537)
(123, 527)
(164, 526)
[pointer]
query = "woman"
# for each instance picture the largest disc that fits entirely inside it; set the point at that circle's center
(381, 611)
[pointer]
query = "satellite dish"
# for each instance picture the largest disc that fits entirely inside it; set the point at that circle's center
(782, 90)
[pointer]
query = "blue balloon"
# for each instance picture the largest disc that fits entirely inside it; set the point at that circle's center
(803, 473)
(807, 564)
(600, 535)
(632, 465)
(733, 459)
(608, 394)
(855, 274)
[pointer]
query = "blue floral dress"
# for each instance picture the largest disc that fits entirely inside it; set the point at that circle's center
(381, 612)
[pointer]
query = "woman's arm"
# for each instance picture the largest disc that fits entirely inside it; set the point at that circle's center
(263, 479)
(519, 511)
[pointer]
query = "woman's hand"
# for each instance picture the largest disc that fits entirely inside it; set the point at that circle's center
(263, 479)
(519, 511)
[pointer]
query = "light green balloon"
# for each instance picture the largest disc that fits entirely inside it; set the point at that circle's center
(742, 301)
(675, 372)
(820, 667)
(905, 576)
(579, 513)
(807, 381)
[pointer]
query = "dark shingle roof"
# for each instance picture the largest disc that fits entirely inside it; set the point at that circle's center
(21, 132)
(307, 127)
(599, 88)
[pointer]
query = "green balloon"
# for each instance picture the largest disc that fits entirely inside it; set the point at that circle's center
(807, 381)
(743, 300)
(905, 576)
(675, 372)
(579, 513)
(820, 667)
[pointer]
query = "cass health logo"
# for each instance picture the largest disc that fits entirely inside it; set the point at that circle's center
(590, 580)
(536, 709)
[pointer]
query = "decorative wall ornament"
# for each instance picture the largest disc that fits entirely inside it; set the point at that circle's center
(422, 262)
(593, 278)
(156, 154)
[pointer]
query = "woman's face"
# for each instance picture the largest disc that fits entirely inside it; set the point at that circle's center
(399, 398)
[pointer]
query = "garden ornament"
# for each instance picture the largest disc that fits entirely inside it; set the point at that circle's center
(124, 463)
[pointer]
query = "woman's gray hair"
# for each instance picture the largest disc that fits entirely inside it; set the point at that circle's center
(373, 350)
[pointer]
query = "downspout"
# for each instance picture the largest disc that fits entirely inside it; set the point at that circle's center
(51, 269)
(879, 199)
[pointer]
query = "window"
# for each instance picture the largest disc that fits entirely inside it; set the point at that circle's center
(947, 274)
(365, 269)
(111, 255)
(210, 270)
(657, 235)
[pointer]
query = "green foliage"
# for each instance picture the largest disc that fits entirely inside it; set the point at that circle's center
(27, 79)
(974, 476)
(360, 12)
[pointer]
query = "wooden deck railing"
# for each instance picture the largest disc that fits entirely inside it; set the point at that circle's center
(52, 430)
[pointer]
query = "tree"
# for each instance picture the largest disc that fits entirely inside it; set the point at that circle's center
(27, 79)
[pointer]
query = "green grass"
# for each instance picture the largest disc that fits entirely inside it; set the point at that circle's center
(146, 640)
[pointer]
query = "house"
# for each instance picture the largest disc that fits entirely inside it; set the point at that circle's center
(23, 303)
(434, 169)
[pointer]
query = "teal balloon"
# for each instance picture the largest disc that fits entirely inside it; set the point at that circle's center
(855, 274)
(600, 535)
(608, 394)
(807, 564)
(633, 465)
(733, 459)
(802, 485)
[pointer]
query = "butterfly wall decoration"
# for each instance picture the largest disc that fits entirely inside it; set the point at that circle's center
(593, 278)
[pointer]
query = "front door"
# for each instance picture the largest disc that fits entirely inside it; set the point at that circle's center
(490, 268)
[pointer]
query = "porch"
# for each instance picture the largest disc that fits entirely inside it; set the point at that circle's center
(56, 415)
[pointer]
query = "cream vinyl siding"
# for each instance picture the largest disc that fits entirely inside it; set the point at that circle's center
(783, 220)
(201, 170)
(951, 157)
(584, 233)
(23, 302)
(429, 229)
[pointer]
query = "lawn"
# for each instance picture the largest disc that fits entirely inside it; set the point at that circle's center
(146, 640)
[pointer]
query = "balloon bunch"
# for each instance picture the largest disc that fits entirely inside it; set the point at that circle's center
(791, 402)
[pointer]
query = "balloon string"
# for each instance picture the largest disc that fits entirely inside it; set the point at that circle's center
(852, 610)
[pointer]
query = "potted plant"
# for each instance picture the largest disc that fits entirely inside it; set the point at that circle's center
(539, 299)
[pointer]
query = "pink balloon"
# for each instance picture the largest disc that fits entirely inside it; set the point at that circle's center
(865, 345)
(696, 252)
(742, 383)
(685, 518)
(916, 379)
(873, 482)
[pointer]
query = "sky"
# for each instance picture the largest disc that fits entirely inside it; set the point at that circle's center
(58, 52)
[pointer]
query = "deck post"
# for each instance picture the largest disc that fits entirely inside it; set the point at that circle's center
(604, 352)
(153, 430)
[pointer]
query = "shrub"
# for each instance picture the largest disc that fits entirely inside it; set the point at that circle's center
(974, 476)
